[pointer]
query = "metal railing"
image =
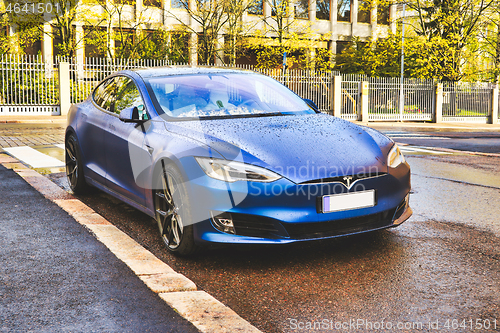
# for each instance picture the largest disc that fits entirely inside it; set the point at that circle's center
(350, 95)
(309, 84)
(464, 101)
(28, 85)
(384, 99)
(31, 86)
(315, 86)
(84, 77)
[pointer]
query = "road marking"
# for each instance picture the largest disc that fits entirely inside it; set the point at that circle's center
(410, 149)
(34, 158)
(406, 135)
(60, 145)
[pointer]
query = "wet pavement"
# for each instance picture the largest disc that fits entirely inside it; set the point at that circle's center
(470, 139)
(439, 271)
(15, 135)
(441, 265)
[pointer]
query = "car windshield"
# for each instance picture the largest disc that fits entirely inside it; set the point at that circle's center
(227, 94)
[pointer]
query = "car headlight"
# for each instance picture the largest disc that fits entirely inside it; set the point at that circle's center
(395, 157)
(231, 171)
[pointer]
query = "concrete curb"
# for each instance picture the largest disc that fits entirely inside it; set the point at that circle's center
(205, 312)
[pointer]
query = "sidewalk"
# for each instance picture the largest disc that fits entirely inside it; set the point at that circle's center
(27, 119)
(63, 267)
(55, 276)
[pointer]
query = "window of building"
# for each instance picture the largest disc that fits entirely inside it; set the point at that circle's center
(364, 12)
(95, 41)
(180, 4)
(279, 8)
(58, 47)
(178, 49)
(344, 10)
(152, 3)
(30, 37)
(256, 8)
(341, 46)
(323, 9)
(383, 14)
(301, 9)
(125, 2)
(124, 41)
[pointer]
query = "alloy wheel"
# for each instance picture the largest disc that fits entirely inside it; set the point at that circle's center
(168, 211)
(71, 163)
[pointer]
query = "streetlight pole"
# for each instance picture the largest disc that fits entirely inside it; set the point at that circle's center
(401, 91)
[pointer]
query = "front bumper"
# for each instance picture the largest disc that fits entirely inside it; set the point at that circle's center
(284, 212)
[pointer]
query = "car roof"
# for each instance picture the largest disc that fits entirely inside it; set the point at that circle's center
(186, 70)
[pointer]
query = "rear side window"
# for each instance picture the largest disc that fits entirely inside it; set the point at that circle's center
(104, 95)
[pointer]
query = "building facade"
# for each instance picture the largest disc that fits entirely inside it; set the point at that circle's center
(331, 23)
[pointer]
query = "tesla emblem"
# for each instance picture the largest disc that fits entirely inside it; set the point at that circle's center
(348, 180)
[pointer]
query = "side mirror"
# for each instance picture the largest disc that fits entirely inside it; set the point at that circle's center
(311, 104)
(131, 115)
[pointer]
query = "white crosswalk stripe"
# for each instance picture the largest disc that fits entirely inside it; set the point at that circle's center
(34, 158)
(421, 150)
(407, 135)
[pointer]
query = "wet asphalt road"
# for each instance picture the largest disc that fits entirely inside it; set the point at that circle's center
(441, 265)
(470, 140)
(439, 269)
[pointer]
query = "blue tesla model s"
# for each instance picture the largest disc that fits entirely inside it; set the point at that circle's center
(232, 156)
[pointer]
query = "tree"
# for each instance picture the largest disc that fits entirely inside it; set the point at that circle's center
(119, 25)
(210, 17)
(490, 37)
(298, 42)
(374, 58)
(32, 15)
(235, 28)
(449, 28)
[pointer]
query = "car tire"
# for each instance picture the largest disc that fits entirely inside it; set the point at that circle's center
(173, 211)
(74, 166)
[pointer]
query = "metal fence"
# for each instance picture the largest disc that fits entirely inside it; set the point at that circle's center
(464, 101)
(84, 77)
(350, 95)
(385, 94)
(315, 86)
(28, 85)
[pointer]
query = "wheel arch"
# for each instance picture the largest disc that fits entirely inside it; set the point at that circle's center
(157, 168)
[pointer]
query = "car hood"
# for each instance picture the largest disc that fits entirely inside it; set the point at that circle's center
(299, 147)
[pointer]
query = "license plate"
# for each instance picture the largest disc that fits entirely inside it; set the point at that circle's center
(348, 201)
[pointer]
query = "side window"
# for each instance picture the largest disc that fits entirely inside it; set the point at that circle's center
(104, 95)
(128, 95)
